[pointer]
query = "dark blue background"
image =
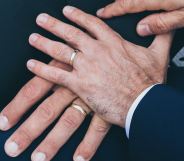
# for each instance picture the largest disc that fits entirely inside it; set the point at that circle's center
(17, 20)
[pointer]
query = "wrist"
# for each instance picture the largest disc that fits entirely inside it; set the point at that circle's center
(134, 94)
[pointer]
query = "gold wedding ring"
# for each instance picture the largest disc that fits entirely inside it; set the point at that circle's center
(79, 108)
(73, 55)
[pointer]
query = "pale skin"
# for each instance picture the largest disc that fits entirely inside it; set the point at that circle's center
(105, 66)
(108, 72)
(155, 54)
(172, 17)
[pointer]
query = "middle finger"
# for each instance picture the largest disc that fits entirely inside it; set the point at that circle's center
(70, 34)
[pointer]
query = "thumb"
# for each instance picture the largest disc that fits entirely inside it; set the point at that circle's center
(162, 45)
(111, 10)
(121, 7)
(161, 23)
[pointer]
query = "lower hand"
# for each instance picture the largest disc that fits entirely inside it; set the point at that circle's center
(49, 110)
(108, 71)
(171, 19)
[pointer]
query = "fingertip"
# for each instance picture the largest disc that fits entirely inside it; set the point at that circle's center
(31, 64)
(33, 38)
(79, 158)
(68, 10)
(83, 152)
(144, 30)
(4, 123)
(42, 19)
(38, 156)
(11, 148)
(100, 12)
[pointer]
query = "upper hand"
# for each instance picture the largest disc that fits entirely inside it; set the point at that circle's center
(109, 72)
(171, 19)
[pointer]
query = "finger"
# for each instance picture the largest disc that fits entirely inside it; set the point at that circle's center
(121, 7)
(53, 74)
(43, 116)
(162, 44)
(33, 91)
(56, 50)
(66, 126)
(161, 23)
(92, 24)
(161, 47)
(95, 134)
(111, 10)
(70, 34)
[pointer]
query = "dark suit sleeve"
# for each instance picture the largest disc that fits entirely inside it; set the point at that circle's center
(157, 127)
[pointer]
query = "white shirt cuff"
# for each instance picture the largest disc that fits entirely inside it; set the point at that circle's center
(133, 108)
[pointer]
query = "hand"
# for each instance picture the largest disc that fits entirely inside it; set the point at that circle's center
(171, 19)
(108, 72)
(44, 115)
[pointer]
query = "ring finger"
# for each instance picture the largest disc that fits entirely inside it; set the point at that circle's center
(57, 50)
(66, 126)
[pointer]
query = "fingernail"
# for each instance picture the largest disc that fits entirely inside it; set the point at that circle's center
(79, 158)
(3, 122)
(30, 64)
(39, 156)
(144, 30)
(100, 11)
(68, 9)
(11, 149)
(42, 18)
(33, 38)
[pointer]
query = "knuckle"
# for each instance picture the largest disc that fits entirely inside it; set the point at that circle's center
(31, 91)
(99, 24)
(59, 51)
(72, 34)
(25, 136)
(101, 128)
(88, 20)
(67, 93)
(52, 144)
(101, 48)
(125, 5)
(56, 77)
(70, 121)
(46, 112)
(55, 49)
(160, 25)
